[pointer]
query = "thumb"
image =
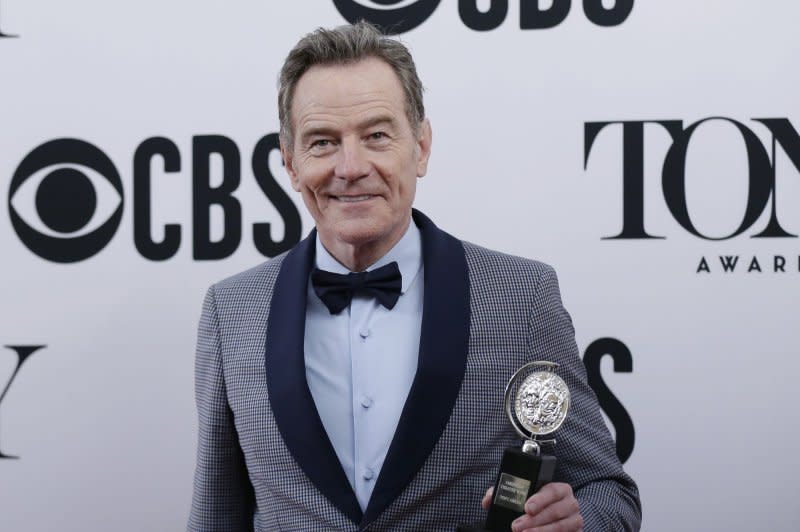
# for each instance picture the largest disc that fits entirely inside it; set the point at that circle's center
(487, 498)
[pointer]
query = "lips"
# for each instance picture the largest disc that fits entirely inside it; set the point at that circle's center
(353, 198)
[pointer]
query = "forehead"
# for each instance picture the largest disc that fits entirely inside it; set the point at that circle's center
(346, 91)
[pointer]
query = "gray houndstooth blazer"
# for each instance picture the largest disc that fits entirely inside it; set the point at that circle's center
(264, 461)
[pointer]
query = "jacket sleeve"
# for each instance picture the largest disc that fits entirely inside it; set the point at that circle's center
(223, 495)
(587, 460)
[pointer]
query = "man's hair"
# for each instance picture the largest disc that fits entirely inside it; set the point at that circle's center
(341, 46)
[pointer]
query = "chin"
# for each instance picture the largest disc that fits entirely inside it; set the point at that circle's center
(358, 236)
(361, 231)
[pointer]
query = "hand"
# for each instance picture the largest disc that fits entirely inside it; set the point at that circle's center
(552, 509)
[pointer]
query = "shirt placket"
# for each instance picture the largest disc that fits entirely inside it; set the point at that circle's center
(362, 310)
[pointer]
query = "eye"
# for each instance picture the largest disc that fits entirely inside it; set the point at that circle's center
(65, 200)
(321, 146)
(378, 136)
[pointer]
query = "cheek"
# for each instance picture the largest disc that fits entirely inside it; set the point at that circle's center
(408, 189)
(313, 200)
(310, 179)
(307, 187)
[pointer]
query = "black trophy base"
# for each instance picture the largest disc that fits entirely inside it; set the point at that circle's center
(521, 475)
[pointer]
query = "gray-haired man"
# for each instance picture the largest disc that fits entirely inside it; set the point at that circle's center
(373, 400)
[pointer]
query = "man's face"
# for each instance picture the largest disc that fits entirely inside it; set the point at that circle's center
(355, 157)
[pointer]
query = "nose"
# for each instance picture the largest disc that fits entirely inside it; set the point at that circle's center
(352, 162)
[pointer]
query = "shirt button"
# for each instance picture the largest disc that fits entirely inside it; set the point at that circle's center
(366, 402)
(364, 333)
(368, 474)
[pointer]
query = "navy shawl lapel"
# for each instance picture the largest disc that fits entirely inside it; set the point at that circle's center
(290, 398)
(442, 361)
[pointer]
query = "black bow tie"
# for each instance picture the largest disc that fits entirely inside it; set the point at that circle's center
(337, 290)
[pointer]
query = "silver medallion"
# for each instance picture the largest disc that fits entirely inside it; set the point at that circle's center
(537, 401)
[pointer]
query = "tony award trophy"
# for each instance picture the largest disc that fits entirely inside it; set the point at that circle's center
(536, 402)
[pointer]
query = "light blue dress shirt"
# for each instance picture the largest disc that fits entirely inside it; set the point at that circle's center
(361, 362)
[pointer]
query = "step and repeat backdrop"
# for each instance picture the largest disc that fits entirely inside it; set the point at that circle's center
(649, 151)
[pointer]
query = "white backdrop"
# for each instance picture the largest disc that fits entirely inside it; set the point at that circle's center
(102, 419)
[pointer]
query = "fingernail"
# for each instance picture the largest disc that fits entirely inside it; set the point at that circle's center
(530, 508)
(516, 525)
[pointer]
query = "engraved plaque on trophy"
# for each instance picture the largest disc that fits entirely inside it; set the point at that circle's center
(536, 402)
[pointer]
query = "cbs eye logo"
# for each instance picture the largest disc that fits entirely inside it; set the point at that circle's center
(392, 16)
(399, 16)
(61, 200)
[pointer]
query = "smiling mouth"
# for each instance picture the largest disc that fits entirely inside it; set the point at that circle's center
(354, 199)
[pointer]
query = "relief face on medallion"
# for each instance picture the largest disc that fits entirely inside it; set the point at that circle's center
(541, 403)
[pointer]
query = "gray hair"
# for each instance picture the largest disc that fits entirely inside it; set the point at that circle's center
(344, 45)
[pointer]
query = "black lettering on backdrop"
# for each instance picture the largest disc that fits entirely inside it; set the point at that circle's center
(533, 17)
(632, 169)
(142, 213)
(23, 352)
(728, 262)
(761, 173)
(481, 16)
(479, 20)
(66, 200)
(619, 417)
(390, 21)
(4, 35)
(611, 16)
(674, 179)
(292, 225)
(784, 133)
(204, 196)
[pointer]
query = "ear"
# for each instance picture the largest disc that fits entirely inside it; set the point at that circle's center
(288, 162)
(424, 141)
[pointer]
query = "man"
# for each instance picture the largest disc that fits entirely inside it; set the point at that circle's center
(374, 400)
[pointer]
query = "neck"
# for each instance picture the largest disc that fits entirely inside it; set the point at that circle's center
(359, 257)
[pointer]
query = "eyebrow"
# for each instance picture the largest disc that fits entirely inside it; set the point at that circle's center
(316, 131)
(376, 120)
(366, 124)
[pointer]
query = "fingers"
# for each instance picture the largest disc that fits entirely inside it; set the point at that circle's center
(547, 495)
(487, 498)
(570, 524)
(553, 508)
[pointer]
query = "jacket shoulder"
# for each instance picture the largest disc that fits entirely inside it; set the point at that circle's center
(255, 280)
(490, 266)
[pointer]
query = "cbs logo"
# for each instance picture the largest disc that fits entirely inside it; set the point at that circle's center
(392, 16)
(66, 199)
(63, 179)
(400, 16)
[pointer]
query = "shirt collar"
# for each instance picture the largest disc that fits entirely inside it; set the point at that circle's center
(407, 253)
